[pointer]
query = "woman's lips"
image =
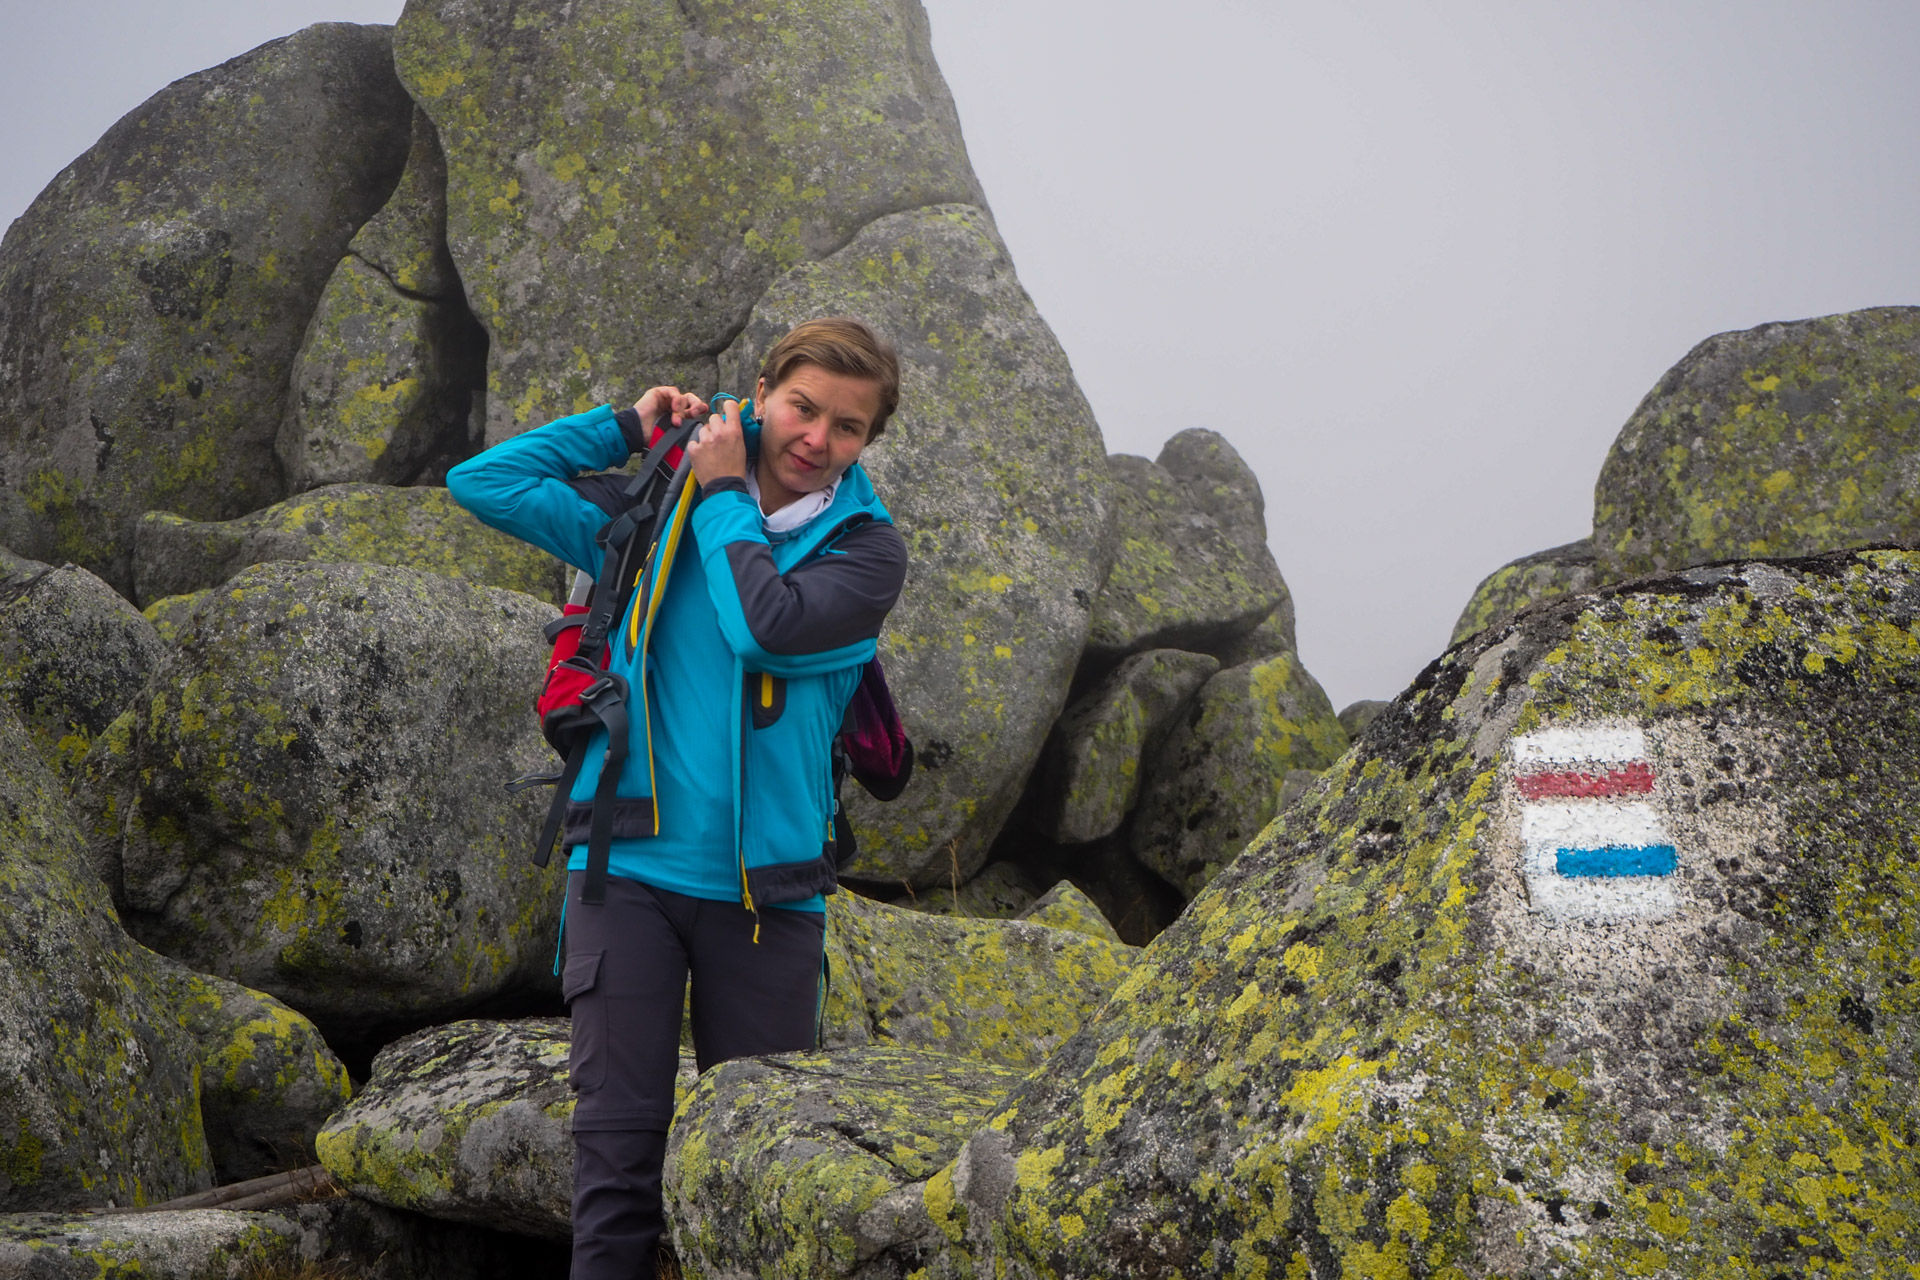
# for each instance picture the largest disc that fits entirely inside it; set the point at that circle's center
(802, 463)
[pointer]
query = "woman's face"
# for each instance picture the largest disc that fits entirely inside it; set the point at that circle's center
(812, 428)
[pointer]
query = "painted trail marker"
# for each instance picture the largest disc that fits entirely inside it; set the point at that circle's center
(1595, 849)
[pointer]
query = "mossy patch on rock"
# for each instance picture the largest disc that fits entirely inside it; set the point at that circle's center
(1785, 439)
(153, 296)
(1217, 780)
(1179, 580)
(1367, 1050)
(383, 386)
(198, 1244)
(625, 179)
(73, 656)
(318, 809)
(417, 527)
(999, 991)
(995, 474)
(1091, 774)
(1530, 580)
(818, 1164)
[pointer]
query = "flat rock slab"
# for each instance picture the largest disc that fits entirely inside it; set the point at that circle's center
(196, 1244)
(995, 475)
(817, 1164)
(415, 527)
(153, 296)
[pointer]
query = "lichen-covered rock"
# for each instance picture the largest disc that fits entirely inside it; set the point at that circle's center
(319, 810)
(1066, 907)
(994, 472)
(999, 991)
(625, 179)
(1217, 780)
(267, 1079)
(1356, 716)
(1179, 580)
(817, 1164)
(170, 614)
(98, 1101)
(73, 656)
(1780, 440)
(383, 385)
(467, 1122)
(1090, 776)
(1217, 482)
(1274, 635)
(153, 296)
(1411, 1031)
(193, 1244)
(418, 527)
(1530, 580)
(1000, 892)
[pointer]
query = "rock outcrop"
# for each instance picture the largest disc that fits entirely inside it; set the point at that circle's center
(384, 385)
(153, 296)
(416, 527)
(1066, 907)
(319, 810)
(73, 656)
(1416, 1028)
(626, 179)
(993, 471)
(1217, 781)
(1530, 580)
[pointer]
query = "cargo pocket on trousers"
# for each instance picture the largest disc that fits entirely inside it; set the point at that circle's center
(587, 1057)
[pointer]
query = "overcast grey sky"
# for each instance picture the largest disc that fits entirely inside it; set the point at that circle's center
(1417, 261)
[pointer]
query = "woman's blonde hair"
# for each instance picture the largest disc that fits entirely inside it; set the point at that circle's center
(842, 345)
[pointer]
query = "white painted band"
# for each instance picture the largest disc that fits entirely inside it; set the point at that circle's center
(1606, 744)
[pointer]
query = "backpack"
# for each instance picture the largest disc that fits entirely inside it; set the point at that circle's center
(580, 695)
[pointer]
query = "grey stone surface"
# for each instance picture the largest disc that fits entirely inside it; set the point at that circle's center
(994, 472)
(626, 179)
(999, 892)
(1090, 776)
(1066, 907)
(97, 1096)
(1180, 580)
(417, 527)
(1530, 580)
(153, 296)
(1217, 779)
(73, 655)
(1217, 482)
(1780, 440)
(384, 385)
(1356, 716)
(196, 1244)
(319, 810)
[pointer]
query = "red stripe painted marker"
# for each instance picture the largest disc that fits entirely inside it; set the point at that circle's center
(1630, 780)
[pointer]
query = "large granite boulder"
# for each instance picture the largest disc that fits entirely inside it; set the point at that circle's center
(467, 1122)
(417, 527)
(994, 472)
(153, 296)
(1090, 777)
(626, 178)
(1217, 482)
(383, 387)
(1781, 440)
(1530, 580)
(73, 656)
(999, 991)
(319, 810)
(1218, 779)
(818, 1164)
(98, 1101)
(1596, 956)
(1180, 580)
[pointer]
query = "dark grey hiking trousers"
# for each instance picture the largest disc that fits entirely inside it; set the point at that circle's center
(627, 964)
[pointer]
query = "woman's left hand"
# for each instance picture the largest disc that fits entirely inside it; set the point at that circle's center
(721, 449)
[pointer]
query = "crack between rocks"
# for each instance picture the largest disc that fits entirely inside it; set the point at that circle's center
(410, 294)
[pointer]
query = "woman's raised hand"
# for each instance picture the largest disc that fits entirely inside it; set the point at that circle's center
(668, 402)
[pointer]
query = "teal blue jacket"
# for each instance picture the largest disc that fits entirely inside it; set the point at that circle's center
(740, 662)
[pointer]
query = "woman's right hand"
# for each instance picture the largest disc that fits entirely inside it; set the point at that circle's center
(668, 402)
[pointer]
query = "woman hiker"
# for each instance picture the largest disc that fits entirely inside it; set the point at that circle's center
(767, 610)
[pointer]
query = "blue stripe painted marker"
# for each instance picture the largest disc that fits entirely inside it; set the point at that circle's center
(1618, 860)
